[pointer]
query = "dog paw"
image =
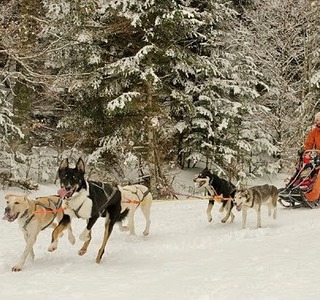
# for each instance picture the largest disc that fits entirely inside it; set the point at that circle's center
(82, 252)
(145, 233)
(223, 221)
(124, 228)
(16, 268)
(98, 260)
(72, 240)
(52, 248)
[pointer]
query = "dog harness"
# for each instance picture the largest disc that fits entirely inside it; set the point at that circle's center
(215, 194)
(75, 211)
(109, 197)
(136, 193)
(212, 188)
(25, 214)
(56, 205)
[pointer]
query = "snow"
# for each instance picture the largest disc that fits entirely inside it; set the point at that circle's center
(184, 257)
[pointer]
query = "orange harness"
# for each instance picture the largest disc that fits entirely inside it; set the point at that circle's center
(128, 201)
(49, 211)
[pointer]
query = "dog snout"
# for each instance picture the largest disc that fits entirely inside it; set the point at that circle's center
(196, 178)
(68, 188)
(7, 210)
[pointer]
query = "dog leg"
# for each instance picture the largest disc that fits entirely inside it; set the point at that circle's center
(227, 207)
(259, 217)
(269, 207)
(107, 232)
(209, 209)
(131, 220)
(31, 239)
(71, 237)
(63, 224)
(232, 217)
(145, 208)
(31, 252)
(244, 217)
(274, 206)
(275, 212)
(225, 219)
(85, 245)
(86, 235)
(120, 224)
(123, 228)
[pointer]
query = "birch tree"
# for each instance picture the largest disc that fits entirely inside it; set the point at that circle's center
(284, 44)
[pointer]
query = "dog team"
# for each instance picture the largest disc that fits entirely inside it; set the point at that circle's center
(89, 200)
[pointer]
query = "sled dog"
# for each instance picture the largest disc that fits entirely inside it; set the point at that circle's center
(87, 200)
(254, 197)
(217, 186)
(33, 216)
(133, 196)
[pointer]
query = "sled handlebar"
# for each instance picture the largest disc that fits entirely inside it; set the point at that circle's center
(312, 150)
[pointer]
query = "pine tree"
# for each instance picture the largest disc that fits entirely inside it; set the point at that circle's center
(221, 132)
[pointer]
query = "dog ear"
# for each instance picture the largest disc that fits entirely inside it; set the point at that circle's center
(64, 164)
(80, 165)
(8, 196)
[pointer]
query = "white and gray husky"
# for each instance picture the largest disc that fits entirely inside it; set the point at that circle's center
(254, 197)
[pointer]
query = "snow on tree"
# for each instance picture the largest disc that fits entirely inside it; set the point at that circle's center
(283, 42)
(148, 83)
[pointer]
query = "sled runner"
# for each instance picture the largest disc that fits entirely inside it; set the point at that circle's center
(303, 189)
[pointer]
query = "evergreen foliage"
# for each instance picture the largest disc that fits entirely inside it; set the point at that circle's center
(151, 84)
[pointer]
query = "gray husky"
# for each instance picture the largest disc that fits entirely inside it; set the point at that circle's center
(254, 197)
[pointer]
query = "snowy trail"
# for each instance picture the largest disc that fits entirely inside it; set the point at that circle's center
(184, 257)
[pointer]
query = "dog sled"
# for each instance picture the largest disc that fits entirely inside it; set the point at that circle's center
(303, 189)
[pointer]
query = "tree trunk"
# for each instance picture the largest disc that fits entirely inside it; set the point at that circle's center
(151, 160)
(22, 104)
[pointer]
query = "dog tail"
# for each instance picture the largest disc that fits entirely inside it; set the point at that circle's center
(123, 215)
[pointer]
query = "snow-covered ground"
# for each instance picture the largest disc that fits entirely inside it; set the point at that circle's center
(184, 257)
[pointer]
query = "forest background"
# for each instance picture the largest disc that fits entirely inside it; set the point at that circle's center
(154, 86)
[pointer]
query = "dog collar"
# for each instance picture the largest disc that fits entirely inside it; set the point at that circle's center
(24, 214)
(27, 222)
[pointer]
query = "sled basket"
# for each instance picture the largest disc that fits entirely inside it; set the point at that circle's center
(303, 189)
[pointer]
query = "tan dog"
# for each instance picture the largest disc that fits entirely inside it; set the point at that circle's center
(33, 216)
(133, 196)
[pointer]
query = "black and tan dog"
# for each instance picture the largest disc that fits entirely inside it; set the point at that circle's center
(87, 200)
(217, 187)
(33, 216)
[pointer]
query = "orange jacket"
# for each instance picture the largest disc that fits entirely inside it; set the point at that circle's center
(313, 139)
